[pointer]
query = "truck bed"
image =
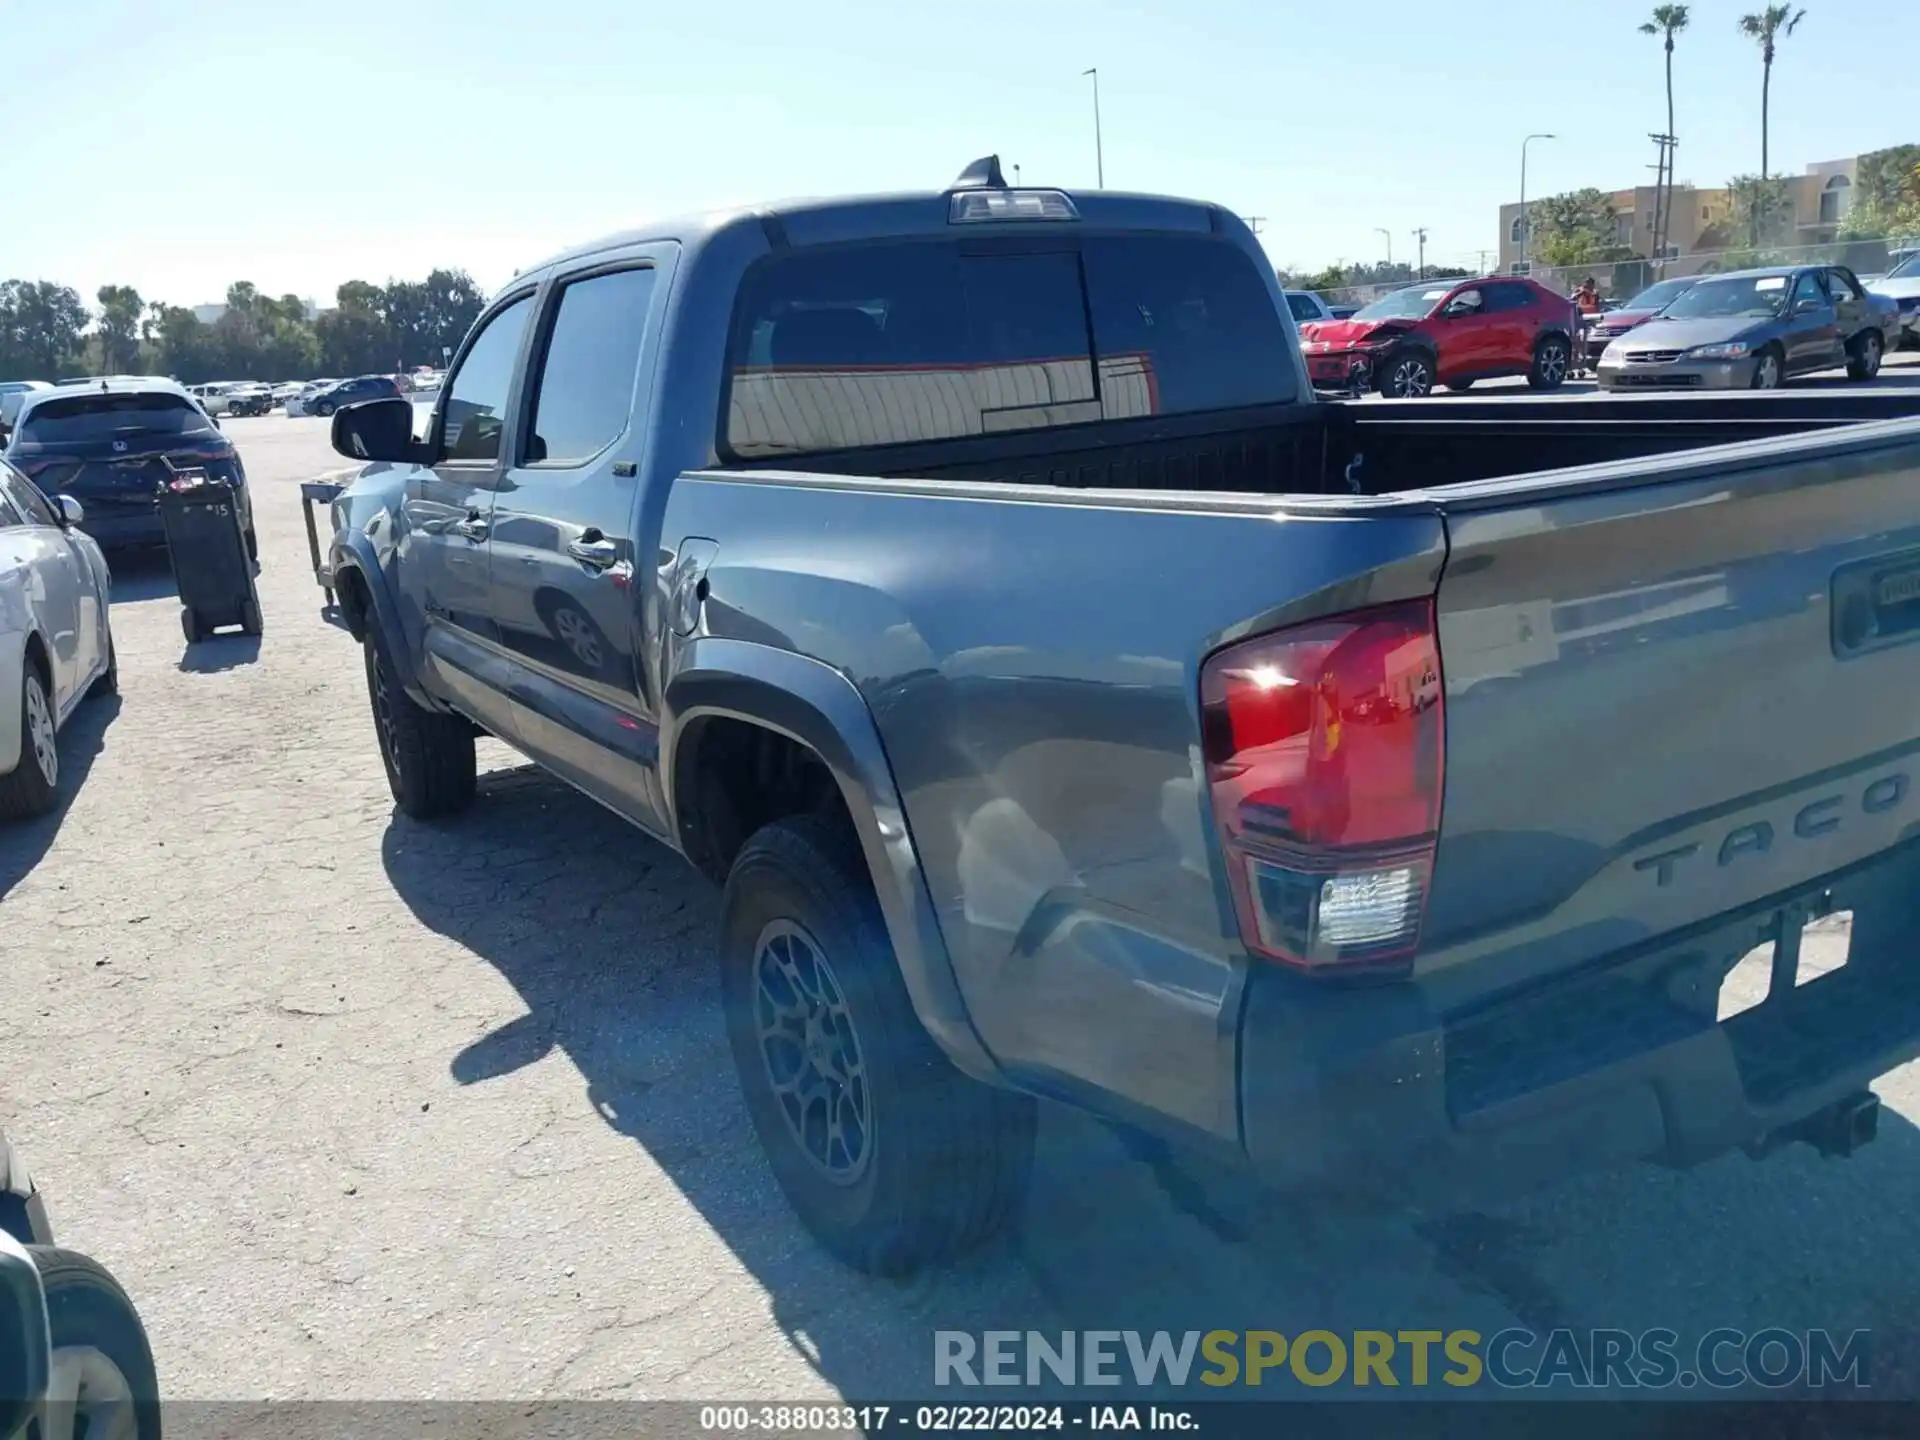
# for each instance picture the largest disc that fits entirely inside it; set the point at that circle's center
(1400, 444)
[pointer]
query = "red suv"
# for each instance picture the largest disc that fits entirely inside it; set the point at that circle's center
(1452, 332)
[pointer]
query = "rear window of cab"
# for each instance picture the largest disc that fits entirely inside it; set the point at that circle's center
(888, 344)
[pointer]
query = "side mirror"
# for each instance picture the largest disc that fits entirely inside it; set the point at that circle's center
(26, 1344)
(72, 513)
(378, 430)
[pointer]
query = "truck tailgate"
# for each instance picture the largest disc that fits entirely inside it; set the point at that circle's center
(1670, 693)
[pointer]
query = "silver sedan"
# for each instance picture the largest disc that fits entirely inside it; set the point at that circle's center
(1751, 330)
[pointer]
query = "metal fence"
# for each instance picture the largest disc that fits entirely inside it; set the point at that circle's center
(1623, 279)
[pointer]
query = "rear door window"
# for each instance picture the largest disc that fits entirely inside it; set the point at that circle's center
(584, 393)
(1507, 295)
(890, 344)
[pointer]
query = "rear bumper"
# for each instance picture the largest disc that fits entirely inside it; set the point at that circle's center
(126, 531)
(1372, 1089)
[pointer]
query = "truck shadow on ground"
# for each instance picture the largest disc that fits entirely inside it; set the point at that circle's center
(608, 940)
(24, 844)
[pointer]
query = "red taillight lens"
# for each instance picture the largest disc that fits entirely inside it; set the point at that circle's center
(1324, 746)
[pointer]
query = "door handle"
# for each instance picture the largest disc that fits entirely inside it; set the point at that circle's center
(599, 553)
(474, 527)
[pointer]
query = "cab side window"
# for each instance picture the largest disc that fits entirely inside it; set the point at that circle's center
(476, 408)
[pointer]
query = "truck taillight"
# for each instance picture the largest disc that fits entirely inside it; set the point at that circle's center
(1324, 746)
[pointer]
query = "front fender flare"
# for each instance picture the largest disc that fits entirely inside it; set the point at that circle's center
(352, 550)
(818, 707)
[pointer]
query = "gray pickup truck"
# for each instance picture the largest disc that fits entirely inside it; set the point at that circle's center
(1073, 705)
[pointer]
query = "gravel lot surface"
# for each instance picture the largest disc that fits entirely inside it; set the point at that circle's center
(360, 1108)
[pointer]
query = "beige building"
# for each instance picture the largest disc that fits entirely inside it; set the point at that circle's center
(1822, 194)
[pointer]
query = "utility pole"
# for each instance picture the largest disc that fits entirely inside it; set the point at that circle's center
(1526, 220)
(1254, 222)
(1420, 235)
(1483, 262)
(1099, 147)
(1662, 207)
(1387, 234)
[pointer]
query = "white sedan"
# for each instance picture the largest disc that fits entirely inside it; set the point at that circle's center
(56, 644)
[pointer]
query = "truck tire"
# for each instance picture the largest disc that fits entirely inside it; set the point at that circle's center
(892, 1158)
(1552, 359)
(102, 1361)
(29, 789)
(1863, 358)
(428, 755)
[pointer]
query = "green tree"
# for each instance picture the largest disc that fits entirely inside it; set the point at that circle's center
(452, 302)
(1766, 28)
(184, 348)
(40, 325)
(1767, 202)
(1667, 21)
(119, 328)
(1575, 229)
(1886, 194)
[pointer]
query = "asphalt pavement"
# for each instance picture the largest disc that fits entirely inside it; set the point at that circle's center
(359, 1108)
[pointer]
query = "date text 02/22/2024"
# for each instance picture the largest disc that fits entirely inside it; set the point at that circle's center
(940, 1419)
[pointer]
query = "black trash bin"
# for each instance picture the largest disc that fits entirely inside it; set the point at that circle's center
(201, 518)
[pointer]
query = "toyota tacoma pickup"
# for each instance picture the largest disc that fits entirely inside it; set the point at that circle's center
(1073, 705)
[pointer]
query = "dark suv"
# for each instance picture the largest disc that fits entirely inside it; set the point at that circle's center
(114, 445)
(351, 392)
(1451, 332)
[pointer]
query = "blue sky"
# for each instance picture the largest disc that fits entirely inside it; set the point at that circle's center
(200, 141)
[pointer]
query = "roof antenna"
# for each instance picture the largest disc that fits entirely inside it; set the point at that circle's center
(982, 174)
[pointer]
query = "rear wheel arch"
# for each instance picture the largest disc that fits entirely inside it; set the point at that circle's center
(740, 714)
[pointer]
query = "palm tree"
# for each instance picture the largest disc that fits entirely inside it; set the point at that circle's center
(1765, 29)
(1669, 21)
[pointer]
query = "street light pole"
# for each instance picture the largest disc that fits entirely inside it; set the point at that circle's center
(1421, 236)
(1382, 230)
(1099, 149)
(1526, 220)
